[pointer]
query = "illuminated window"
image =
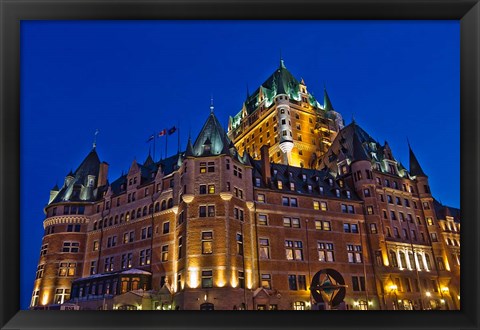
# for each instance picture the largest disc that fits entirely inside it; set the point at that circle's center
(35, 298)
(180, 245)
(61, 295)
(299, 305)
(291, 222)
(354, 253)
(366, 192)
(164, 253)
(261, 198)
(262, 219)
(93, 267)
(325, 252)
(369, 210)
(108, 266)
(373, 228)
(39, 273)
(266, 281)
(264, 248)
(279, 184)
(67, 269)
(294, 250)
(211, 189)
(203, 167)
(434, 237)
(322, 225)
(429, 221)
(207, 242)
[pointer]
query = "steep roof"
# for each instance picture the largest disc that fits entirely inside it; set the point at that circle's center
(415, 168)
(442, 211)
(78, 189)
(319, 180)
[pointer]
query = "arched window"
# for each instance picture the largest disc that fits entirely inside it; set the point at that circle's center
(133, 214)
(427, 259)
(139, 213)
(420, 262)
(144, 211)
(100, 223)
(157, 206)
(121, 218)
(393, 258)
(170, 203)
(95, 225)
(402, 259)
(127, 217)
(150, 209)
(164, 205)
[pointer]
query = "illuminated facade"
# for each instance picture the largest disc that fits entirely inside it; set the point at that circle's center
(215, 227)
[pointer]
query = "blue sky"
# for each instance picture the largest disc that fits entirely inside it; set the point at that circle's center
(129, 79)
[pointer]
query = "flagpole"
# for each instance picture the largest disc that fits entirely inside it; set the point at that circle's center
(154, 138)
(166, 144)
(178, 133)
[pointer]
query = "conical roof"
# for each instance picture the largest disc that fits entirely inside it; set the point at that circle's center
(415, 168)
(327, 104)
(212, 135)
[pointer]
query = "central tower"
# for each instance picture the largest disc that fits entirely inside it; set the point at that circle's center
(283, 115)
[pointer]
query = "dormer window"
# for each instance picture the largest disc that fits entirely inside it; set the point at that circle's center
(90, 181)
(349, 195)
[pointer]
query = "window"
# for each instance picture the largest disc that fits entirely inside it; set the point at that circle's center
(373, 228)
(358, 283)
(395, 232)
(44, 250)
(264, 248)
(369, 210)
(93, 267)
(347, 208)
(429, 221)
(67, 269)
(164, 253)
(291, 222)
(302, 283)
(109, 264)
(237, 171)
(206, 210)
(71, 247)
(203, 167)
(111, 241)
(241, 279)
(434, 237)
(323, 225)
(350, 228)
(292, 282)
(39, 273)
(407, 202)
(35, 297)
(166, 227)
(405, 233)
(389, 199)
(257, 182)
(239, 239)
(262, 219)
(393, 259)
(320, 205)
(146, 232)
(279, 184)
(203, 189)
(398, 200)
(180, 245)
(266, 281)
(354, 253)
(261, 198)
(294, 250)
(325, 252)
(61, 295)
(211, 189)
(289, 201)
(401, 216)
(366, 192)
(426, 206)
(207, 242)
(299, 305)
(393, 216)
(238, 213)
(207, 279)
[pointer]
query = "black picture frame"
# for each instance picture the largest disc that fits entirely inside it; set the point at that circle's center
(12, 12)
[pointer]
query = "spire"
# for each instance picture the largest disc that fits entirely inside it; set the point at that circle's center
(327, 104)
(282, 63)
(415, 168)
(211, 105)
(55, 188)
(95, 138)
(189, 151)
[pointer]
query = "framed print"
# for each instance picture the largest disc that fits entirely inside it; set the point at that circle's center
(247, 165)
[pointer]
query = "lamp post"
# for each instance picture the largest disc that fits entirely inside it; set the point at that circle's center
(393, 289)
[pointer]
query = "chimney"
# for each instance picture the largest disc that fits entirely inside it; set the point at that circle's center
(102, 174)
(265, 157)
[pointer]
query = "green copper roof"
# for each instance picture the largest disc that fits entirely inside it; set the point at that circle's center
(327, 104)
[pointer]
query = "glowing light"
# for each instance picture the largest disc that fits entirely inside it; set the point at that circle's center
(370, 303)
(445, 289)
(355, 303)
(193, 278)
(428, 294)
(234, 281)
(139, 307)
(225, 196)
(393, 287)
(458, 297)
(442, 301)
(45, 299)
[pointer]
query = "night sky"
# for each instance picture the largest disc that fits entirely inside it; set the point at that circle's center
(131, 79)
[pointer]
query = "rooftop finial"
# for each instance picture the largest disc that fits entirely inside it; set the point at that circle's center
(353, 118)
(211, 104)
(95, 138)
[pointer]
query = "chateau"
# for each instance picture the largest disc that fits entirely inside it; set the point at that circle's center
(261, 217)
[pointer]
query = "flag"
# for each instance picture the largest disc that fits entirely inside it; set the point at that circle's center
(151, 138)
(172, 130)
(162, 132)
